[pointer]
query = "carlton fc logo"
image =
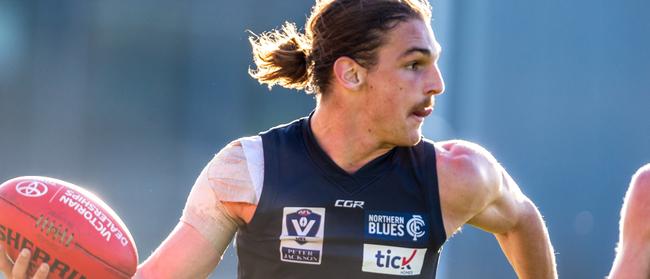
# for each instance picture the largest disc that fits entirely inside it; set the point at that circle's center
(415, 227)
(302, 234)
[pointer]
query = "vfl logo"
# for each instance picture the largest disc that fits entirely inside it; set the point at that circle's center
(414, 227)
(301, 240)
(392, 260)
(304, 223)
(31, 189)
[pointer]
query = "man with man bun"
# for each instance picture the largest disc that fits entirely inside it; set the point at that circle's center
(353, 190)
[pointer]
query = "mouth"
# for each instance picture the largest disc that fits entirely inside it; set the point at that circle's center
(420, 114)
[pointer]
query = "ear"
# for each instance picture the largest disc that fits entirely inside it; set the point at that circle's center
(349, 73)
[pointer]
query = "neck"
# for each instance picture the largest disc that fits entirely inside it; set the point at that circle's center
(344, 137)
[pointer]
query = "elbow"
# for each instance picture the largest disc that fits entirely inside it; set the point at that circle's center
(529, 215)
(527, 219)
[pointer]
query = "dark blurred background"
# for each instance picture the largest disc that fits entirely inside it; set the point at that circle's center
(132, 99)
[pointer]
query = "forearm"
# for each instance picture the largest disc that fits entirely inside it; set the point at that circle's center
(528, 247)
(184, 254)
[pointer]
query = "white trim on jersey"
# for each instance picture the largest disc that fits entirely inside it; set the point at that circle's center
(254, 152)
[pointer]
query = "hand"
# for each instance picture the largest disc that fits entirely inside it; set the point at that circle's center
(19, 269)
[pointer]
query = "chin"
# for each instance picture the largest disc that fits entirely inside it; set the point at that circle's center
(412, 139)
(416, 140)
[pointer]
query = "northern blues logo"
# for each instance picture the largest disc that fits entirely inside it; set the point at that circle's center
(393, 260)
(302, 234)
(396, 226)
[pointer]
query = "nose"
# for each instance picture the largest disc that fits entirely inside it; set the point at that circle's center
(436, 84)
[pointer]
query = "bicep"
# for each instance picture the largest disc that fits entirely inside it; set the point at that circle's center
(505, 207)
(216, 206)
(467, 183)
(193, 249)
(184, 254)
(476, 189)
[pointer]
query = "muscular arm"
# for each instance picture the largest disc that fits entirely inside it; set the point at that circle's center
(476, 190)
(520, 230)
(194, 248)
(222, 199)
(184, 254)
(633, 252)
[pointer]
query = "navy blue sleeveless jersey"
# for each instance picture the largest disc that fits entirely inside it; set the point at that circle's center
(314, 220)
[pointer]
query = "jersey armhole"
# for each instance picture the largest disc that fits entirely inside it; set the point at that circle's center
(432, 178)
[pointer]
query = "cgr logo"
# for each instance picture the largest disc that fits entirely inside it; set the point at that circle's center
(349, 204)
(392, 260)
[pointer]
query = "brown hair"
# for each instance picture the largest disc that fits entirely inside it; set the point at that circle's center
(335, 28)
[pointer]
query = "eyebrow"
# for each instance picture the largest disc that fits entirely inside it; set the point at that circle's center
(424, 51)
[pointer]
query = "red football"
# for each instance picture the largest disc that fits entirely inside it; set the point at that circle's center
(71, 229)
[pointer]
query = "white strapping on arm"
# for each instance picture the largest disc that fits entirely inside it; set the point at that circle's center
(207, 214)
(254, 152)
(235, 174)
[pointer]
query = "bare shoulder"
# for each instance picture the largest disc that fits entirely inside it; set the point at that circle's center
(642, 177)
(638, 196)
(633, 249)
(469, 178)
(467, 163)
